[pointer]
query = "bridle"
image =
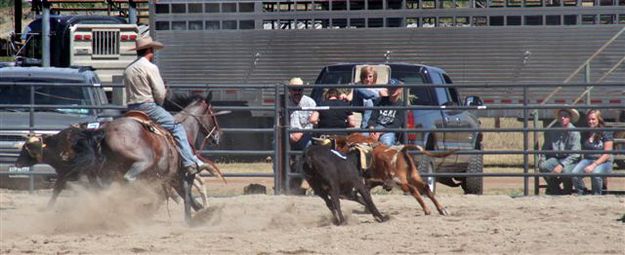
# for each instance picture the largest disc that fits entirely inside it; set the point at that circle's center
(211, 132)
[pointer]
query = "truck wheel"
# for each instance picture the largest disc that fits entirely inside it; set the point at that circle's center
(474, 185)
(426, 166)
(620, 164)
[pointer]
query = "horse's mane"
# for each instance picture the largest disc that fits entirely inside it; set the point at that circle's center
(174, 102)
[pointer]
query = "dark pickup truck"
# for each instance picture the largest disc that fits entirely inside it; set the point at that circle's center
(52, 86)
(427, 95)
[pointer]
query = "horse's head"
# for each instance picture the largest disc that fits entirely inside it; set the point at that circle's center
(208, 120)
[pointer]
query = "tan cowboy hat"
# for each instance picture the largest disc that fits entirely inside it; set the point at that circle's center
(146, 43)
(572, 112)
(296, 81)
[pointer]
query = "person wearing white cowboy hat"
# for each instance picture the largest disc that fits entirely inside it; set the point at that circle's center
(554, 161)
(301, 119)
(574, 114)
(145, 92)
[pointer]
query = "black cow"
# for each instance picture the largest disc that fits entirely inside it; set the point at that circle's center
(332, 176)
(68, 152)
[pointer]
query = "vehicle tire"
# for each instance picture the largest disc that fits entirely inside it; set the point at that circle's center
(474, 185)
(620, 164)
(426, 166)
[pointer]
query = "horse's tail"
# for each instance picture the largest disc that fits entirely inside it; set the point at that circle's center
(89, 156)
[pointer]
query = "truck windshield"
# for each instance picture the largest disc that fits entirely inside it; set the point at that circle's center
(19, 94)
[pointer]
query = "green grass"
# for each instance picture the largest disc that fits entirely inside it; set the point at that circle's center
(7, 59)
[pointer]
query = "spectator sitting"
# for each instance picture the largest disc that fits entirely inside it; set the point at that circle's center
(594, 163)
(335, 118)
(366, 96)
(553, 161)
(384, 118)
(301, 119)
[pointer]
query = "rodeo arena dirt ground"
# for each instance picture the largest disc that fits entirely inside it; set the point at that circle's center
(127, 219)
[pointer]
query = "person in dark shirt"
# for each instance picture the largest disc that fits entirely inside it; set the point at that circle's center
(387, 118)
(334, 118)
(599, 163)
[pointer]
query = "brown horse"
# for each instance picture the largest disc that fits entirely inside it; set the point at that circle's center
(108, 153)
(135, 145)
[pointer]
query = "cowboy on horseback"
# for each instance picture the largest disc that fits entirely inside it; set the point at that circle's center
(145, 92)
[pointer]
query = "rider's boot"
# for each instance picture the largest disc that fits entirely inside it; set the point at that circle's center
(191, 169)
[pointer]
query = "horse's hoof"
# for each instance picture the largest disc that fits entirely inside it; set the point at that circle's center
(444, 212)
(383, 218)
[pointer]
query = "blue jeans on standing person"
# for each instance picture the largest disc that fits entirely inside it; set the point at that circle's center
(167, 121)
(596, 181)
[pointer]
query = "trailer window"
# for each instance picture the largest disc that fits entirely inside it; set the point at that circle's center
(376, 22)
(375, 4)
(162, 25)
(229, 7)
(212, 25)
(357, 5)
(229, 24)
(195, 8)
(246, 7)
(211, 7)
(246, 24)
(178, 25)
(178, 8)
(196, 25)
(162, 8)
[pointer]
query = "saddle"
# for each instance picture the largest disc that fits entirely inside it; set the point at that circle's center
(148, 124)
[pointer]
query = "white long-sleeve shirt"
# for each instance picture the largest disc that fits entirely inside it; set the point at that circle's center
(143, 82)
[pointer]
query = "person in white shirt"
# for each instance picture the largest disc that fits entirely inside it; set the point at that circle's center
(145, 92)
(304, 119)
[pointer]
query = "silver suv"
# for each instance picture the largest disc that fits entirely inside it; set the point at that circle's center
(51, 86)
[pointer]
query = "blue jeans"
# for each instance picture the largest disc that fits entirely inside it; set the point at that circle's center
(303, 143)
(167, 121)
(553, 182)
(597, 182)
(366, 115)
(388, 138)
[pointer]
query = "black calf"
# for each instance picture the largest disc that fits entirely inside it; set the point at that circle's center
(332, 176)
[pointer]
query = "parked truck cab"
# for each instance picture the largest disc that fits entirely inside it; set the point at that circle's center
(102, 42)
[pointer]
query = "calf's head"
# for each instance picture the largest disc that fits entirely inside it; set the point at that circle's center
(32, 151)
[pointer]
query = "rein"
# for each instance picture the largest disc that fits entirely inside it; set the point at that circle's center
(210, 131)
